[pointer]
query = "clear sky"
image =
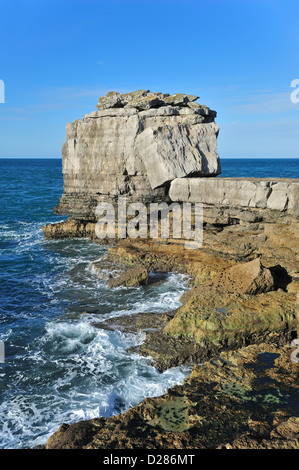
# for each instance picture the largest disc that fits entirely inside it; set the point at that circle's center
(240, 56)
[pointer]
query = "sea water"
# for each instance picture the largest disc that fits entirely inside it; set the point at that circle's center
(60, 367)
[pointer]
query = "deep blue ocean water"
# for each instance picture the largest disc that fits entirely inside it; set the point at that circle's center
(260, 167)
(58, 366)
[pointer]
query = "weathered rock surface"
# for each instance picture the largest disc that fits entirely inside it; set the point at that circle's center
(243, 399)
(250, 277)
(133, 277)
(230, 320)
(278, 194)
(163, 256)
(283, 436)
(210, 324)
(135, 144)
(143, 99)
(230, 305)
(152, 147)
(70, 228)
(171, 152)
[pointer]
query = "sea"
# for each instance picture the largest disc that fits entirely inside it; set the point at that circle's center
(59, 365)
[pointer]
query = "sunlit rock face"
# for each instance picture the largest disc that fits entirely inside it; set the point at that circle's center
(135, 144)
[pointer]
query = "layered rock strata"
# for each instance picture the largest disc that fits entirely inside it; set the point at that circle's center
(135, 144)
(230, 305)
(244, 281)
(279, 194)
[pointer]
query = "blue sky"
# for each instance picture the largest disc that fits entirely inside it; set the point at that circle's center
(58, 57)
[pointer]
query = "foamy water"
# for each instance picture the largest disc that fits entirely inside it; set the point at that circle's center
(59, 367)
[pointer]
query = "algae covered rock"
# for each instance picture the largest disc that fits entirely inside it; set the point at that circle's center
(232, 320)
(252, 392)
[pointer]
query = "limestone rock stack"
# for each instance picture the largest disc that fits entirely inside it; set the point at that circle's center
(135, 144)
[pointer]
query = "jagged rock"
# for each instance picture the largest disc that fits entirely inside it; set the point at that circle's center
(146, 102)
(111, 100)
(224, 310)
(228, 402)
(160, 256)
(180, 99)
(143, 99)
(171, 152)
(136, 322)
(135, 144)
(69, 229)
(244, 278)
(105, 269)
(133, 277)
(283, 436)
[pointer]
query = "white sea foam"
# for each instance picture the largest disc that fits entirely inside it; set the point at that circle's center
(60, 368)
(93, 376)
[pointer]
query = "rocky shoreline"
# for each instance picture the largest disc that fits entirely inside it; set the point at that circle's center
(244, 399)
(233, 309)
(239, 318)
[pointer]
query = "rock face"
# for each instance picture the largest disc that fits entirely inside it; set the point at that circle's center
(136, 144)
(133, 277)
(242, 399)
(243, 278)
(230, 305)
(280, 194)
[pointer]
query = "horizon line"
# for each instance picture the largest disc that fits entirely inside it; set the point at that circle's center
(222, 158)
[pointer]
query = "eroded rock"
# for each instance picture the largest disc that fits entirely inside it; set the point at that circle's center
(135, 144)
(244, 278)
(136, 276)
(252, 392)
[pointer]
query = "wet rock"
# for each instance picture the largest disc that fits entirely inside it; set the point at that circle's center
(209, 324)
(252, 392)
(135, 323)
(69, 229)
(167, 351)
(105, 268)
(133, 277)
(224, 309)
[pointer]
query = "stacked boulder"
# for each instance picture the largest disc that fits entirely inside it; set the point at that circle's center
(135, 144)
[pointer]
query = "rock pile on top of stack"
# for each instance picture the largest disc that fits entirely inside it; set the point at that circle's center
(145, 99)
